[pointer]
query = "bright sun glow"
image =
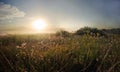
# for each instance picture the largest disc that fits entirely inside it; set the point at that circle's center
(39, 24)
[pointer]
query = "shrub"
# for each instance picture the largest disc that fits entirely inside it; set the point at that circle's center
(62, 33)
(90, 31)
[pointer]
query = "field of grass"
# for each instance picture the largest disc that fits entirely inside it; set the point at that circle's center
(50, 53)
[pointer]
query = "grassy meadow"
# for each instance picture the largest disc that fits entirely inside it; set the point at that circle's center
(51, 53)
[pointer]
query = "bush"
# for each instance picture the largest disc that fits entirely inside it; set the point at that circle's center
(90, 31)
(62, 33)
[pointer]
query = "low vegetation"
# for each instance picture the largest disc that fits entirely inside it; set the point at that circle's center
(62, 33)
(90, 31)
(56, 53)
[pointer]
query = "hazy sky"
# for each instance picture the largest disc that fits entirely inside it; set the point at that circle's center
(17, 15)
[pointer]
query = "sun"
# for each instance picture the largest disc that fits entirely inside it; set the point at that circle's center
(39, 24)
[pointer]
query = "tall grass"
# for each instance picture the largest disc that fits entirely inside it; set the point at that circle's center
(48, 53)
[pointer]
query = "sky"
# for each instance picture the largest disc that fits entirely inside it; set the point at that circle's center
(16, 16)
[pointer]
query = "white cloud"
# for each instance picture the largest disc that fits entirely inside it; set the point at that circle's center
(8, 11)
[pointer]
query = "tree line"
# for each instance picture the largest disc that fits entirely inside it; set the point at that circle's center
(89, 31)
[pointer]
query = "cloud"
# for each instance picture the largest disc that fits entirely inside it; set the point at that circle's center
(8, 11)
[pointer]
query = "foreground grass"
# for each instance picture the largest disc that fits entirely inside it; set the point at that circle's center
(47, 53)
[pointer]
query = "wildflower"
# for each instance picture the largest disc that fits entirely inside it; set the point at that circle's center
(18, 47)
(42, 42)
(23, 44)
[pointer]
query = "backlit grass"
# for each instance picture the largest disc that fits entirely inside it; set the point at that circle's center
(50, 53)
